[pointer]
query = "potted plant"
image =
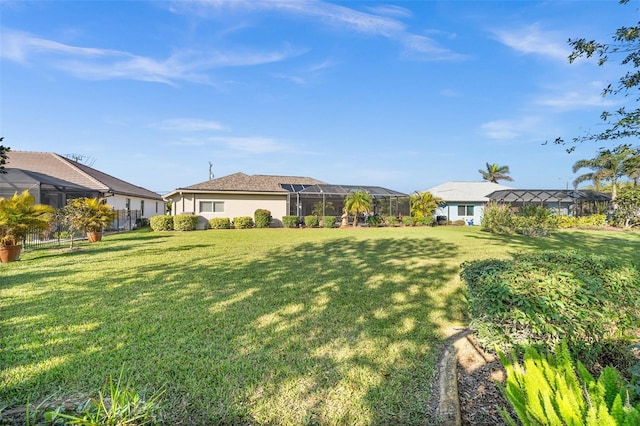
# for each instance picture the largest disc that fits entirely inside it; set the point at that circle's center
(91, 215)
(20, 215)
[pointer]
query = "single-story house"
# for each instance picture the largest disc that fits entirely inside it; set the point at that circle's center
(53, 179)
(464, 200)
(239, 194)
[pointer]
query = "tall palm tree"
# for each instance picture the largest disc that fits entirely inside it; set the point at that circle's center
(357, 202)
(608, 165)
(631, 167)
(423, 204)
(494, 173)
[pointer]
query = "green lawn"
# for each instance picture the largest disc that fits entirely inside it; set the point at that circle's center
(261, 326)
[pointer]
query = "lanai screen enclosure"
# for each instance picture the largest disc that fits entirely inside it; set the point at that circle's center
(328, 200)
(567, 202)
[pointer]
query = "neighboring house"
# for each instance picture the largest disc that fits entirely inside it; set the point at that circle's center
(241, 195)
(464, 200)
(53, 179)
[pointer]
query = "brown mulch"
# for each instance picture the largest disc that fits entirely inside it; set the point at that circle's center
(478, 372)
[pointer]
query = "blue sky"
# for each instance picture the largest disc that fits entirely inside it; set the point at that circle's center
(401, 94)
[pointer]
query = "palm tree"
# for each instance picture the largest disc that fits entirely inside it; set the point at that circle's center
(423, 204)
(631, 167)
(608, 165)
(357, 202)
(494, 173)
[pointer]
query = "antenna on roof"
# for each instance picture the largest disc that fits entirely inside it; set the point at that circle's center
(210, 170)
(83, 159)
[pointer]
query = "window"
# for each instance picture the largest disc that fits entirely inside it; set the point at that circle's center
(141, 207)
(211, 206)
(465, 210)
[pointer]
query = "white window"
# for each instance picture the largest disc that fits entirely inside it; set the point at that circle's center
(211, 206)
(465, 210)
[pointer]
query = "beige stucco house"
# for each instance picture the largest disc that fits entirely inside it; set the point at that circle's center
(239, 195)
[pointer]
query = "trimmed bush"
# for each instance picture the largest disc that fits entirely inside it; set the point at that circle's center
(328, 221)
(262, 218)
(311, 221)
(408, 221)
(391, 220)
(243, 222)
(497, 218)
(185, 222)
(220, 223)
(161, 223)
(424, 221)
(534, 299)
(290, 221)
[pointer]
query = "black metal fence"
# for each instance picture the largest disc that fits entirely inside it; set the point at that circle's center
(58, 234)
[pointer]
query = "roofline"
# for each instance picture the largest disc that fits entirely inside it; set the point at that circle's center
(221, 191)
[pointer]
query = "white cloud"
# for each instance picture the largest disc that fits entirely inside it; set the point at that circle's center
(189, 125)
(533, 40)
(105, 64)
(382, 22)
(525, 128)
(587, 96)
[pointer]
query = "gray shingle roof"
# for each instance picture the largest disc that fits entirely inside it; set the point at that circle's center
(241, 182)
(57, 167)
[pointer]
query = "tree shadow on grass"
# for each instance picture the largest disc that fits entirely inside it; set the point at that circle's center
(344, 331)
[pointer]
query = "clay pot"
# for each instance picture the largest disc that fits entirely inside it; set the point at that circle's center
(10, 253)
(94, 237)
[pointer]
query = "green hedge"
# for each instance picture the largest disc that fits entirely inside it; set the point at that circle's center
(185, 222)
(391, 221)
(328, 221)
(534, 299)
(220, 223)
(290, 221)
(243, 222)
(408, 221)
(311, 221)
(161, 223)
(262, 218)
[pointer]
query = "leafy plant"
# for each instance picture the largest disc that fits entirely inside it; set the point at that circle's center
(20, 215)
(357, 202)
(161, 223)
(262, 218)
(290, 221)
(328, 221)
(319, 209)
(185, 222)
(424, 204)
(220, 223)
(391, 220)
(117, 404)
(89, 214)
(311, 221)
(546, 389)
(408, 221)
(243, 222)
(497, 218)
(593, 301)
(374, 220)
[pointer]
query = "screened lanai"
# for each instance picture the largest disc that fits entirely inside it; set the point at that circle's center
(571, 202)
(328, 200)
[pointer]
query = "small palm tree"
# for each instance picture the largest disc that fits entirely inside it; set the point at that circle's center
(631, 167)
(494, 173)
(423, 204)
(20, 215)
(608, 165)
(357, 202)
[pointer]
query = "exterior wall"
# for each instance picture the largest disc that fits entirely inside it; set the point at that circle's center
(450, 210)
(150, 208)
(235, 205)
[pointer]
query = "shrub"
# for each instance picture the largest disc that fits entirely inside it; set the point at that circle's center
(547, 390)
(593, 221)
(497, 218)
(565, 222)
(220, 223)
(391, 220)
(328, 221)
(311, 221)
(424, 221)
(262, 218)
(243, 222)
(161, 223)
(408, 220)
(185, 222)
(593, 301)
(374, 220)
(290, 221)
